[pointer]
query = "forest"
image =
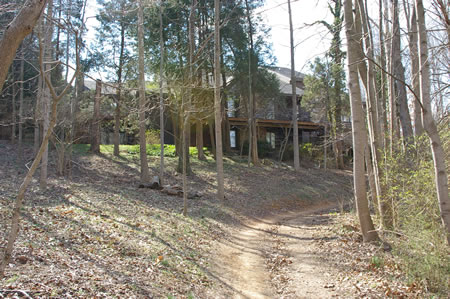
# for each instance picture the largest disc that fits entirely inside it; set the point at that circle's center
(164, 152)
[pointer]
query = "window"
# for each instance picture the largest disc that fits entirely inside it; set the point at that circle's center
(233, 138)
(270, 139)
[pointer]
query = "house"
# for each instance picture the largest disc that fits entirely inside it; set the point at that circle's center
(274, 117)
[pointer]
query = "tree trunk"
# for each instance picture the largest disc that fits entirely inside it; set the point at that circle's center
(21, 78)
(294, 94)
(161, 97)
(142, 101)
(14, 104)
(17, 30)
(252, 136)
(199, 140)
(95, 143)
(48, 33)
(217, 110)
(119, 92)
(358, 128)
(368, 78)
(413, 51)
(399, 73)
(429, 124)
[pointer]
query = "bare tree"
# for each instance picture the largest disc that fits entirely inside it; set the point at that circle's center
(15, 220)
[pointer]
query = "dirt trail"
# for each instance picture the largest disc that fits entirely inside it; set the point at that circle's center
(274, 257)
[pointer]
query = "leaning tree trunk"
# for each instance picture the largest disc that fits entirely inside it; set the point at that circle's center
(429, 124)
(17, 30)
(142, 142)
(358, 127)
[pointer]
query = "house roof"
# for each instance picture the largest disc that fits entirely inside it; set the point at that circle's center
(284, 76)
(107, 89)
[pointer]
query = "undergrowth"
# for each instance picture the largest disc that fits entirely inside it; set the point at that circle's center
(422, 250)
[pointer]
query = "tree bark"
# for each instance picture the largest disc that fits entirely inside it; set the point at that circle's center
(373, 124)
(415, 80)
(358, 128)
(142, 97)
(161, 96)
(399, 72)
(119, 92)
(217, 110)
(199, 140)
(48, 55)
(252, 131)
(95, 143)
(294, 94)
(429, 124)
(21, 78)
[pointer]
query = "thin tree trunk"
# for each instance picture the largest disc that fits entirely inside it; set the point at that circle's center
(429, 124)
(294, 94)
(21, 78)
(217, 112)
(212, 137)
(14, 104)
(95, 142)
(399, 72)
(161, 96)
(252, 136)
(358, 128)
(199, 140)
(142, 97)
(413, 50)
(46, 91)
(119, 93)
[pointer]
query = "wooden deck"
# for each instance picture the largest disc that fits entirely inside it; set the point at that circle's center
(274, 123)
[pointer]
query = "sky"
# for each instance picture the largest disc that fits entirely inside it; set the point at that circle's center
(310, 41)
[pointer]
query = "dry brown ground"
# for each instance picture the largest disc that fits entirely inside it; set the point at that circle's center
(98, 235)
